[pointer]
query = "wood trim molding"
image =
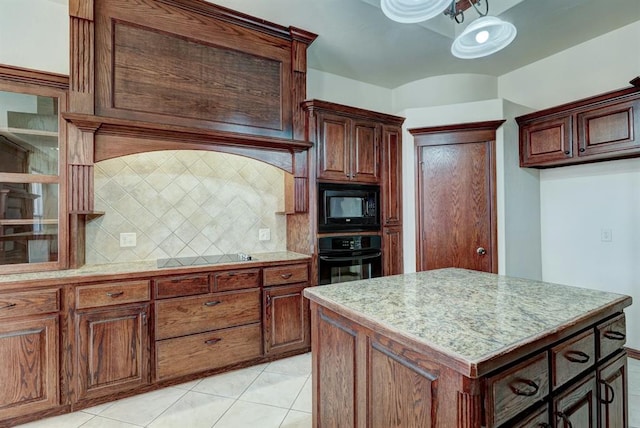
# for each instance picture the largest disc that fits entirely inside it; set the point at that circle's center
(34, 77)
(314, 105)
(633, 353)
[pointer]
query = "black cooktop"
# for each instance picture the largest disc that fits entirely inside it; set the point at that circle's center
(202, 260)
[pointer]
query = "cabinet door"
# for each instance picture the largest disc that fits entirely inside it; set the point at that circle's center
(334, 147)
(613, 389)
(577, 406)
(609, 129)
(392, 263)
(546, 142)
(391, 176)
(29, 369)
(365, 152)
(286, 319)
(538, 419)
(112, 350)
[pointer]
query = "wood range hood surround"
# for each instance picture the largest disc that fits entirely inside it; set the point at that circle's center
(149, 75)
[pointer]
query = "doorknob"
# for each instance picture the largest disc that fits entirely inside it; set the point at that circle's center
(481, 251)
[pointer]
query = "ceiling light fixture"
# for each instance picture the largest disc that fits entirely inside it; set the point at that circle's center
(413, 11)
(484, 36)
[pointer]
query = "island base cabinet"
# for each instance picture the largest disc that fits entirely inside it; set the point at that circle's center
(577, 407)
(113, 350)
(613, 390)
(29, 368)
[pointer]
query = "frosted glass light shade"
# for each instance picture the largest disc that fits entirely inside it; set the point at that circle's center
(470, 43)
(412, 11)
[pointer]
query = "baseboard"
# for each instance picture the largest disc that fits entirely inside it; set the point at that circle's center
(633, 353)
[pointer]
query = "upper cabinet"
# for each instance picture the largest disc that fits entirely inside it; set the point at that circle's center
(32, 171)
(593, 129)
(348, 141)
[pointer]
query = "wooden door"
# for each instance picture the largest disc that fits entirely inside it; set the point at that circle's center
(392, 261)
(334, 147)
(29, 370)
(577, 407)
(113, 350)
(365, 153)
(613, 398)
(286, 319)
(455, 200)
(392, 176)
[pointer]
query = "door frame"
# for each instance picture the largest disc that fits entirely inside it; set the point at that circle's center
(473, 132)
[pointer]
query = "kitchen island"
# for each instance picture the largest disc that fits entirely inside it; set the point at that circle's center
(459, 348)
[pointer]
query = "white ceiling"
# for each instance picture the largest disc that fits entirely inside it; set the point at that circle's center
(357, 41)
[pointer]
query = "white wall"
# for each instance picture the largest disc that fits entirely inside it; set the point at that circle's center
(35, 34)
(577, 202)
(337, 89)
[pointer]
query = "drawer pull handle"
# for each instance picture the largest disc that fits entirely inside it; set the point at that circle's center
(565, 419)
(114, 294)
(577, 357)
(213, 303)
(9, 306)
(615, 335)
(286, 275)
(524, 392)
(231, 274)
(212, 341)
(609, 393)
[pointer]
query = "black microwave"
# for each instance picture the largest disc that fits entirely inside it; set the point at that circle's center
(344, 207)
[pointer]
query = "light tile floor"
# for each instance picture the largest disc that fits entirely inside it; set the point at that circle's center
(276, 394)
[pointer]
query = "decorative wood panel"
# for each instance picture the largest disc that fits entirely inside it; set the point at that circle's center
(286, 319)
(613, 396)
(391, 176)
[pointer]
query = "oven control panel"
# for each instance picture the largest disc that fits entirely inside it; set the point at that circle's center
(349, 243)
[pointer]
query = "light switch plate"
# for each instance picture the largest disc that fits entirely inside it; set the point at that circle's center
(128, 239)
(606, 235)
(264, 234)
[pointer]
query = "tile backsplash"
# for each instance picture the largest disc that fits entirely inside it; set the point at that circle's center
(185, 203)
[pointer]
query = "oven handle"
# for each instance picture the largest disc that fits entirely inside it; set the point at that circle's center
(347, 259)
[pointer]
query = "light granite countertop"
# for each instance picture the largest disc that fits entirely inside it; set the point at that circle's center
(469, 316)
(146, 267)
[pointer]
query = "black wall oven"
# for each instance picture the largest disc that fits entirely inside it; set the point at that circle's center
(348, 258)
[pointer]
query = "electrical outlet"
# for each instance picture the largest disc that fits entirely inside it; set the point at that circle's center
(264, 234)
(127, 239)
(606, 235)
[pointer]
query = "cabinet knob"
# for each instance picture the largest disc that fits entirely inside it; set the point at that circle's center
(582, 149)
(481, 251)
(565, 418)
(567, 152)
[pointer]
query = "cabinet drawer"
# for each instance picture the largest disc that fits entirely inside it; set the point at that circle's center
(29, 303)
(572, 357)
(286, 274)
(612, 335)
(235, 280)
(517, 388)
(205, 351)
(188, 315)
(113, 293)
(181, 286)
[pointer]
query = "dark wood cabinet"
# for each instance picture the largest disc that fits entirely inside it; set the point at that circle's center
(112, 350)
(285, 310)
(577, 406)
(613, 393)
(29, 373)
(593, 129)
(286, 319)
(391, 176)
(348, 149)
(392, 260)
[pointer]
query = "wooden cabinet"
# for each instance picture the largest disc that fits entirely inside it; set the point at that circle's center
(285, 310)
(113, 350)
(613, 393)
(593, 129)
(577, 406)
(392, 261)
(29, 352)
(29, 373)
(348, 149)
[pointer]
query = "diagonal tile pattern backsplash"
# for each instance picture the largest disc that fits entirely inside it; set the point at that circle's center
(185, 203)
